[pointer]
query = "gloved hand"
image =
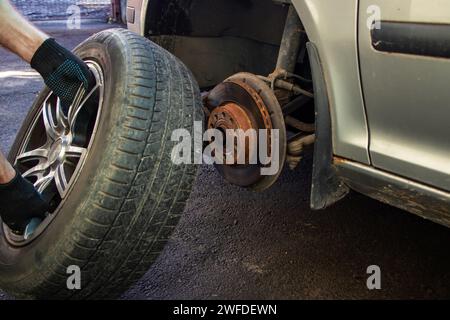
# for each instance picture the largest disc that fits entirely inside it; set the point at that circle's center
(62, 71)
(19, 203)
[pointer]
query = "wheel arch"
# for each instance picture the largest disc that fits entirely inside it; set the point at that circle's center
(332, 26)
(333, 45)
(215, 39)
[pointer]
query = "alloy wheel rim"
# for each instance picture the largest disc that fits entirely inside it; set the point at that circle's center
(54, 164)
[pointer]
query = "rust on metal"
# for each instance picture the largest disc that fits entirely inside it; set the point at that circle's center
(232, 103)
(229, 118)
(299, 125)
(339, 160)
(258, 100)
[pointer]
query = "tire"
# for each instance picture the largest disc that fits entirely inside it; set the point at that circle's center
(129, 195)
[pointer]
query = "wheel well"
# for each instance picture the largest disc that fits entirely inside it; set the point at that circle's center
(216, 39)
(263, 39)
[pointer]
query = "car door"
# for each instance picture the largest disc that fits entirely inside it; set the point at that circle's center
(405, 74)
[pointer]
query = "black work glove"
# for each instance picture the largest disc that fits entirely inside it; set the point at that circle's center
(19, 203)
(62, 71)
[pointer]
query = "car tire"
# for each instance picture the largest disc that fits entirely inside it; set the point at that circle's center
(129, 195)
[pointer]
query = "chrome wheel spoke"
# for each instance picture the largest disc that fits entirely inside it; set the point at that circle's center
(49, 124)
(76, 106)
(75, 152)
(36, 171)
(90, 94)
(61, 181)
(36, 154)
(42, 183)
(61, 119)
(74, 113)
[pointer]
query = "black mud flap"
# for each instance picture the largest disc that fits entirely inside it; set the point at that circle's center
(327, 188)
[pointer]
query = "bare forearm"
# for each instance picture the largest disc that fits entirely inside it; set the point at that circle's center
(7, 172)
(17, 34)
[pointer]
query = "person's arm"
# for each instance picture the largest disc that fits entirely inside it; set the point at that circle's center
(17, 34)
(62, 71)
(64, 74)
(7, 172)
(22, 38)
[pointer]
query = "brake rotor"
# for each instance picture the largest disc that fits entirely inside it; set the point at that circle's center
(245, 102)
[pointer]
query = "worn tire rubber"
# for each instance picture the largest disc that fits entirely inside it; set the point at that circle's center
(129, 195)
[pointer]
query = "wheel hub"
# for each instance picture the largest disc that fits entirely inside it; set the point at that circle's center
(57, 153)
(229, 118)
(245, 102)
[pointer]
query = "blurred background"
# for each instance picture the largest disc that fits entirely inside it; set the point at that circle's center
(38, 10)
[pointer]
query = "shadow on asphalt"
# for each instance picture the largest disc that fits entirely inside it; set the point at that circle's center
(235, 244)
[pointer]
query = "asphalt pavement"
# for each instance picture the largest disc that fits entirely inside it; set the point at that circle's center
(235, 244)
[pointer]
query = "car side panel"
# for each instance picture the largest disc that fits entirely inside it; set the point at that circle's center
(139, 9)
(332, 27)
(408, 95)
